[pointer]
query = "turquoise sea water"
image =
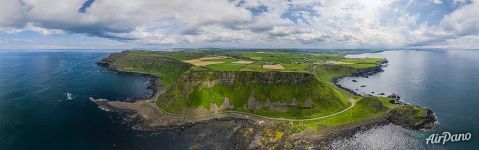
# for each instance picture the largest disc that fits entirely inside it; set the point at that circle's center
(445, 81)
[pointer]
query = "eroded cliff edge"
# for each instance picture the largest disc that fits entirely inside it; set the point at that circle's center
(279, 93)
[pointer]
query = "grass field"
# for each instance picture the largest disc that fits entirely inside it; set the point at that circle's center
(280, 84)
(283, 84)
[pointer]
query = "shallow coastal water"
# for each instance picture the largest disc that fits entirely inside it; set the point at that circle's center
(445, 81)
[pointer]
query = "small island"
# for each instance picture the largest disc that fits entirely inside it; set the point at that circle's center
(290, 98)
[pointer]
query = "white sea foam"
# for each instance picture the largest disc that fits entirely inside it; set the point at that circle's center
(97, 100)
(69, 96)
(383, 137)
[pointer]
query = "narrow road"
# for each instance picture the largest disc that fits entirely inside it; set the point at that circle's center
(353, 103)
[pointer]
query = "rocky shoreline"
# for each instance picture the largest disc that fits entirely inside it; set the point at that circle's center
(430, 119)
(249, 133)
(152, 86)
(363, 73)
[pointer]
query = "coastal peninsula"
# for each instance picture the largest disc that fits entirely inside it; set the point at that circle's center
(285, 99)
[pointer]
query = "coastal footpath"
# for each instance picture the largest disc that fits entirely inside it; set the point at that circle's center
(281, 99)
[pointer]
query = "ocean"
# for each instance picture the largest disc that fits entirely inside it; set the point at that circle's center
(445, 81)
(44, 104)
(44, 101)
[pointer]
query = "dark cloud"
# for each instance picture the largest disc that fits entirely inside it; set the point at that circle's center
(87, 4)
(104, 30)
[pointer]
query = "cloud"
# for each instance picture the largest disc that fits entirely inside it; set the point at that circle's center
(274, 23)
(459, 26)
(11, 15)
(85, 6)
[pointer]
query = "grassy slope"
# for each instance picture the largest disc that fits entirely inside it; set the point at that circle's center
(166, 69)
(409, 116)
(325, 99)
(328, 98)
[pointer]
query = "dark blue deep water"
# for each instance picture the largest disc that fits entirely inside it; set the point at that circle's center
(445, 81)
(35, 112)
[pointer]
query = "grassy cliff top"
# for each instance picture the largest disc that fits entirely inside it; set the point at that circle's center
(286, 85)
(262, 61)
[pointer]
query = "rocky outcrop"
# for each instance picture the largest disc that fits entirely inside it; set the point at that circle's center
(412, 117)
(249, 91)
(253, 104)
(248, 77)
(396, 99)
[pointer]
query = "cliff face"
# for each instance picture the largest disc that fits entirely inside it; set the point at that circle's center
(268, 93)
(108, 61)
(246, 77)
(164, 68)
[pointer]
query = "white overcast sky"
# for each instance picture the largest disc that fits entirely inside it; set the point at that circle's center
(159, 24)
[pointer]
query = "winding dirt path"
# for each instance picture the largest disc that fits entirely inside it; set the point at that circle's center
(152, 104)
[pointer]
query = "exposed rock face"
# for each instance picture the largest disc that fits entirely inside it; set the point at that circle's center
(226, 104)
(107, 61)
(372, 70)
(253, 104)
(308, 103)
(396, 99)
(214, 107)
(247, 77)
(208, 79)
(294, 102)
(278, 106)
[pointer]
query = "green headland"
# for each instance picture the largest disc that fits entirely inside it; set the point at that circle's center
(294, 88)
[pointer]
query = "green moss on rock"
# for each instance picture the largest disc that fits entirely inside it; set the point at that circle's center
(412, 117)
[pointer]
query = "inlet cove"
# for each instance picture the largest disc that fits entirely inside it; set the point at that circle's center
(289, 98)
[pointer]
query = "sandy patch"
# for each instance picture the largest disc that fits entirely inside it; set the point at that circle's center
(276, 66)
(256, 58)
(243, 62)
(339, 63)
(192, 61)
(212, 58)
(198, 62)
(206, 63)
